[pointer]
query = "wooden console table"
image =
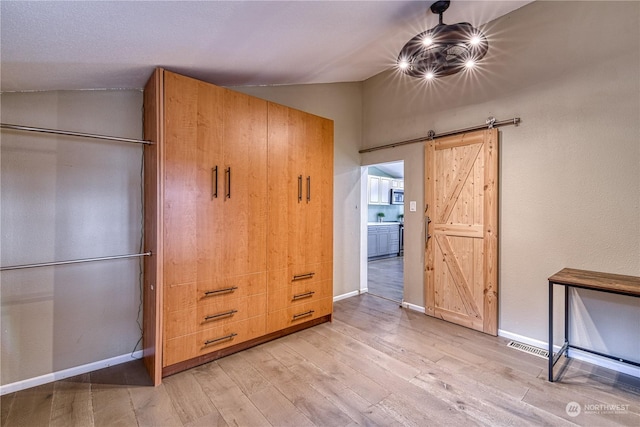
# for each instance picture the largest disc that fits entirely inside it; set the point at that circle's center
(582, 279)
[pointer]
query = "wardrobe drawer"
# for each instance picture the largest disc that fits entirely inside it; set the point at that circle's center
(300, 274)
(188, 295)
(212, 313)
(301, 313)
(232, 287)
(225, 335)
(298, 293)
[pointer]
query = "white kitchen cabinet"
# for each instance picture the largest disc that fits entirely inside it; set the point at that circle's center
(385, 187)
(379, 190)
(374, 190)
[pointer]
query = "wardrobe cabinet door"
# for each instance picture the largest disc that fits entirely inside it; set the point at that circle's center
(317, 242)
(245, 184)
(180, 179)
(193, 160)
(326, 203)
(300, 189)
(209, 211)
(285, 187)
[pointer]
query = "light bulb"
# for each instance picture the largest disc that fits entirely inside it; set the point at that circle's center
(403, 64)
(429, 75)
(470, 63)
(427, 41)
(475, 40)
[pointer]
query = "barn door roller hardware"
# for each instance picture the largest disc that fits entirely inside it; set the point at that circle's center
(490, 123)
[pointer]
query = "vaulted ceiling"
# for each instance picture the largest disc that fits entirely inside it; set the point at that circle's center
(49, 45)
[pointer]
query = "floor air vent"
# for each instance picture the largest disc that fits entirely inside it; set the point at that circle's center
(536, 351)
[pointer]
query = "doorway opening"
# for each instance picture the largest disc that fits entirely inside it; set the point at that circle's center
(385, 230)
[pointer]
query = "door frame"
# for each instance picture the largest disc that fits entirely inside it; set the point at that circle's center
(364, 204)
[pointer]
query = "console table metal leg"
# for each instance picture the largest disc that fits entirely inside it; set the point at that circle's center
(550, 332)
(566, 319)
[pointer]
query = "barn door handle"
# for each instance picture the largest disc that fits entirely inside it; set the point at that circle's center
(299, 188)
(308, 189)
(426, 230)
(228, 173)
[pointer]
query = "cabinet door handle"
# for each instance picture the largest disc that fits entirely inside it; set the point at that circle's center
(308, 189)
(301, 315)
(299, 188)
(214, 183)
(215, 340)
(220, 291)
(220, 315)
(303, 276)
(227, 172)
(304, 295)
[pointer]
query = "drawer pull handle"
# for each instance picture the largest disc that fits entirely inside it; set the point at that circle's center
(226, 337)
(303, 276)
(301, 315)
(220, 315)
(220, 291)
(304, 295)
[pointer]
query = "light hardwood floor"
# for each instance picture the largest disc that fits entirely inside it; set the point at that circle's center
(385, 278)
(375, 364)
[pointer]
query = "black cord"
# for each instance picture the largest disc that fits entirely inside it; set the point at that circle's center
(141, 259)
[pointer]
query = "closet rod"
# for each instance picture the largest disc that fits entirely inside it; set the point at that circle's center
(75, 261)
(70, 133)
(490, 123)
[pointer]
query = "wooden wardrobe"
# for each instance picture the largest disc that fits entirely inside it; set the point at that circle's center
(239, 220)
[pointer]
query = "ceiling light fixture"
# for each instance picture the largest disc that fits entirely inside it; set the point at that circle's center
(444, 49)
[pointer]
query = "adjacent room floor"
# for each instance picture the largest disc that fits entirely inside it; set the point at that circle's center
(385, 278)
(375, 364)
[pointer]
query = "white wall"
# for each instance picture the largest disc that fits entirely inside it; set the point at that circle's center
(570, 173)
(66, 198)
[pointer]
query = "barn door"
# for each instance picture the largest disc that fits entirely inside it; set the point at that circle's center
(461, 215)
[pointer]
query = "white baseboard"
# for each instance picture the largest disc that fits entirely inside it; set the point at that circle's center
(413, 307)
(576, 354)
(70, 372)
(347, 295)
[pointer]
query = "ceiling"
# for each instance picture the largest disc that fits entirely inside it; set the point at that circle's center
(394, 169)
(57, 45)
